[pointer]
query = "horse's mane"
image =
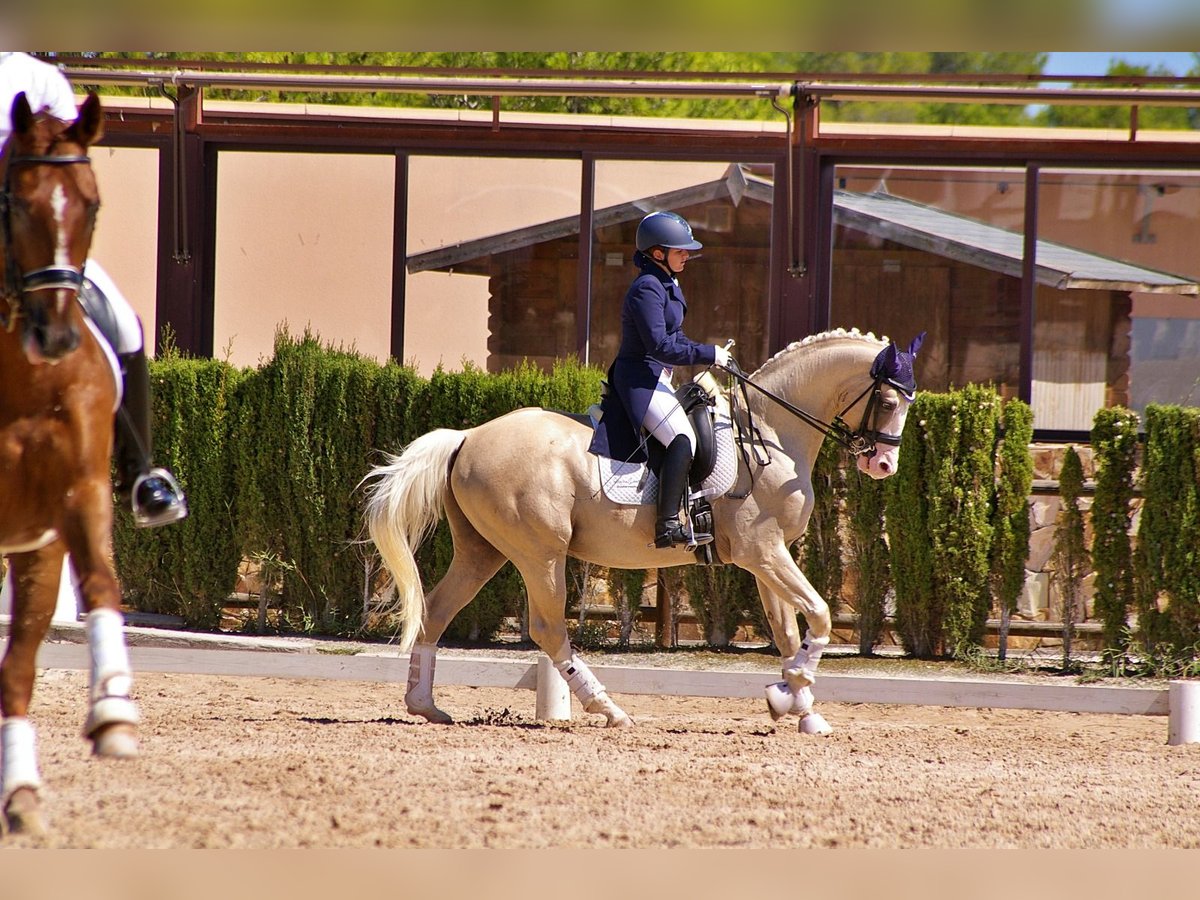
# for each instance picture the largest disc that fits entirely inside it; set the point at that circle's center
(853, 334)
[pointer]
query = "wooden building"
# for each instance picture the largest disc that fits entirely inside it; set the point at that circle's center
(899, 268)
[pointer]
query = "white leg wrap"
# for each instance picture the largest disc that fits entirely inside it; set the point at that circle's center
(422, 662)
(583, 683)
(111, 675)
(18, 756)
(801, 670)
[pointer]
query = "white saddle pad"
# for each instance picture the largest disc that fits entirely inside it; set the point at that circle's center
(634, 484)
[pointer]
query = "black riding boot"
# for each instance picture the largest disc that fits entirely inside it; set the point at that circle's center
(672, 485)
(152, 493)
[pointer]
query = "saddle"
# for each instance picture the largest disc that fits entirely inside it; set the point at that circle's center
(712, 473)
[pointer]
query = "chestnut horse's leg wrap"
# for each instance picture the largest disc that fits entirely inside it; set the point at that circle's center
(801, 670)
(18, 752)
(111, 675)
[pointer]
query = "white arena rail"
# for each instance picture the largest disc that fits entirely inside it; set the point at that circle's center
(1181, 702)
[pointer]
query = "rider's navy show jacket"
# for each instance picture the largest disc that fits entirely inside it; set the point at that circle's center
(652, 338)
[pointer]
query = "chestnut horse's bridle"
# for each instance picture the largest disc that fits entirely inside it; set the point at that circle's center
(17, 284)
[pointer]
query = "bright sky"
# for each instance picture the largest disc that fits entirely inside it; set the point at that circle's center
(1096, 62)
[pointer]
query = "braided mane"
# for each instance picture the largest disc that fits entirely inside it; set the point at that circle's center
(836, 334)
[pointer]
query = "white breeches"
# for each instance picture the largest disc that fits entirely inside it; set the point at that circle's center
(129, 326)
(665, 418)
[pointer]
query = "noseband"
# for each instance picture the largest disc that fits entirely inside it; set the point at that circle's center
(17, 284)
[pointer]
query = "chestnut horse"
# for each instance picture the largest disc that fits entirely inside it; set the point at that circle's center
(58, 393)
(523, 487)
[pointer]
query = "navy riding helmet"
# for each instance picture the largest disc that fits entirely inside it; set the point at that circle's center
(665, 229)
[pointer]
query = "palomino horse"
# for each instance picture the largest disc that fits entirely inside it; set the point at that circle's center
(58, 393)
(523, 487)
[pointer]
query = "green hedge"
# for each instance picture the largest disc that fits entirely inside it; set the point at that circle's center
(271, 459)
(1167, 560)
(191, 567)
(1114, 452)
(940, 520)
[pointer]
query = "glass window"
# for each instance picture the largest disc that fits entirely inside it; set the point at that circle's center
(493, 247)
(303, 239)
(937, 250)
(1125, 327)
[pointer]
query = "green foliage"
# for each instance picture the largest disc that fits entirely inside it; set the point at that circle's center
(721, 596)
(1070, 557)
(189, 568)
(1010, 506)
(780, 64)
(1167, 560)
(1156, 117)
(821, 553)
(940, 521)
(625, 587)
(304, 444)
(1114, 449)
(868, 554)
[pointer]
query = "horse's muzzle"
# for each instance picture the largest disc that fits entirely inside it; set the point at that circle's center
(47, 339)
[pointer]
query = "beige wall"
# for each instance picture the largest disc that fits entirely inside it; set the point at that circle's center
(126, 238)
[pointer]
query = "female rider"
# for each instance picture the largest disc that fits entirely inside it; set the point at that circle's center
(652, 342)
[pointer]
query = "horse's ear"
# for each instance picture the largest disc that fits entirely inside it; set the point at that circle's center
(22, 115)
(89, 125)
(916, 343)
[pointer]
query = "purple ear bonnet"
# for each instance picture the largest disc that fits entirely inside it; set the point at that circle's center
(895, 366)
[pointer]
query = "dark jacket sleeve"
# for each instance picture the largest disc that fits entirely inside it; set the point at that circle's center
(648, 302)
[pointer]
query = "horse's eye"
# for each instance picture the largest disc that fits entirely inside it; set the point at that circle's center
(890, 404)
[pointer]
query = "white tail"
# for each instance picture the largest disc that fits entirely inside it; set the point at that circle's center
(405, 498)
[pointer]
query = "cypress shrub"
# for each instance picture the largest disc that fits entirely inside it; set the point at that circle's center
(918, 609)
(1070, 555)
(1166, 563)
(721, 596)
(626, 587)
(868, 554)
(821, 547)
(1114, 448)
(1010, 512)
(188, 568)
(942, 590)
(307, 435)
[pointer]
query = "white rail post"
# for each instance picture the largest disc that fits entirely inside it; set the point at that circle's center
(553, 695)
(1183, 704)
(66, 609)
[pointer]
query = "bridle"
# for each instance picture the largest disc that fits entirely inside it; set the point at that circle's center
(860, 441)
(17, 284)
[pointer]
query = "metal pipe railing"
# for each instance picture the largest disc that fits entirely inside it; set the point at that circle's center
(638, 87)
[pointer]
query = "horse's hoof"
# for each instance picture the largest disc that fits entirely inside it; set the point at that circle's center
(621, 721)
(432, 715)
(116, 741)
(814, 723)
(22, 813)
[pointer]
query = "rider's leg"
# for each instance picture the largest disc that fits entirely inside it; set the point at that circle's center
(152, 492)
(669, 424)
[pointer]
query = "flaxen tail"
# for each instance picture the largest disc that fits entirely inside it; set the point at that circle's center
(405, 499)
